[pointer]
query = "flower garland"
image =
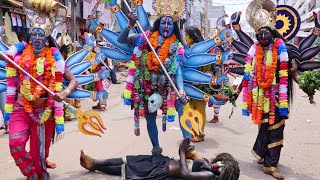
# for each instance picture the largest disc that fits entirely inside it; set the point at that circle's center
(48, 68)
(31, 91)
(139, 87)
(11, 74)
(152, 62)
(260, 86)
(58, 107)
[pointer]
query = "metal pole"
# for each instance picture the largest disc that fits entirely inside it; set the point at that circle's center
(149, 43)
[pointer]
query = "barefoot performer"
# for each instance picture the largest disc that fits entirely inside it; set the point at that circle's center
(159, 167)
(32, 111)
(268, 75)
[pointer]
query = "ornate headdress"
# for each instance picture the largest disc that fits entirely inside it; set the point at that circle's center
(261, 13)
(174, 8)
(44, 14)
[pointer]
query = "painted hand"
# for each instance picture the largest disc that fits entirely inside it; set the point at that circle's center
(91, 23)
(59, 97)
(104, 74)
(132, 19)
(222, 79)
(235, 18)
(227, 55)
(90, 40)
(317, 19)
(224, 34)
(100, 57)
(183, 99)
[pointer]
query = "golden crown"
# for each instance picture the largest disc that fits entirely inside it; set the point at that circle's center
(261, 13)
(44, 14)
(174, 8)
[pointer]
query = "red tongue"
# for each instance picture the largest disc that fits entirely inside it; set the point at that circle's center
(165, 33)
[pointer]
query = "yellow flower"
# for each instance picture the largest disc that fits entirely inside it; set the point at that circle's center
(11, 72)
(171, 111)
(8, 108)
(59, 119)
(132, 65)
(284, 104)
(247, 67)
(244, 105)
(283, 73)
(127, 94)
(58, 86)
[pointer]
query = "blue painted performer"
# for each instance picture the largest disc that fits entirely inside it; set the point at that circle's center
(147, 83)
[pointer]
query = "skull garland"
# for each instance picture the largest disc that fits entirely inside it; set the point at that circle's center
(154, 102)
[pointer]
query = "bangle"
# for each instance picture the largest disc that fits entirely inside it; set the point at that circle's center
(99, 28)
(219, 57)
(137, 2)
(115, 8)
(67, 91)
(217, 40)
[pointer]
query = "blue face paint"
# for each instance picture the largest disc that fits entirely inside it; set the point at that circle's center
(38, 38)
(166, 27)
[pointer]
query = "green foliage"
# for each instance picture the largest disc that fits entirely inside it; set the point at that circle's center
(309, 82)
(90, 86)
(227, 90)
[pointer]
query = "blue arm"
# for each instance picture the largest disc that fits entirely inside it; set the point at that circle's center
(3, 47)
(199, 60)
(3, 87)
(2, 64)
(205, 46)
(121, 18)
(80, 67)
(113, 37)
(77, 57)
(3, 75)
(82, 94)
(143, 18)
(196, 93)
(115, 54)
(195, 76)
(179, 78)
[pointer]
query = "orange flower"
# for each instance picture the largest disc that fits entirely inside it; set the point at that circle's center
(266, 80)
(28, 63)
(152, 62)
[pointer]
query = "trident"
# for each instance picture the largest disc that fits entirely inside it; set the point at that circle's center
(84, 118)
(188, 113)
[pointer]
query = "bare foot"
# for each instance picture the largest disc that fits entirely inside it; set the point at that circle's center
(86, 161)
(50, 165)
(275, 174)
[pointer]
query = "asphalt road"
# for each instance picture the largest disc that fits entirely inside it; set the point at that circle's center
(299, 160)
